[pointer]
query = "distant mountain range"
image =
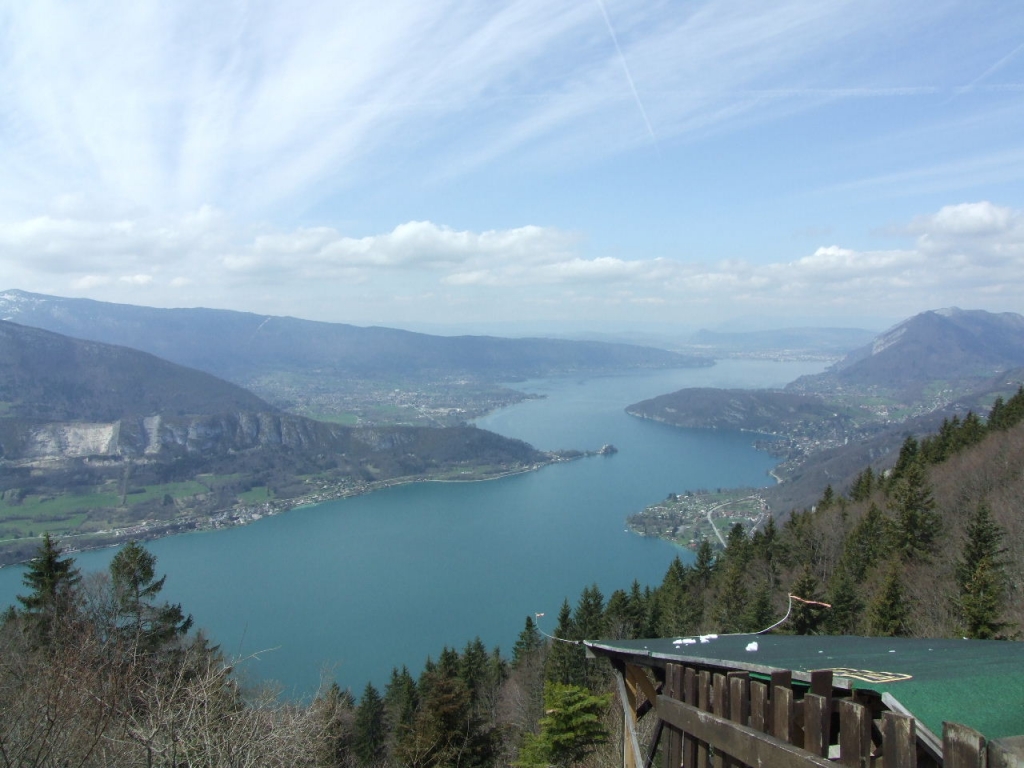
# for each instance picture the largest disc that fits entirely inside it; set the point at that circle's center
(96, 438)
(53, 385)
(906, 380)
(965, 350)
(242, 347)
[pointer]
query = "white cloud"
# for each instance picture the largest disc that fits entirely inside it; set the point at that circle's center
(970, 254)
(968, 219)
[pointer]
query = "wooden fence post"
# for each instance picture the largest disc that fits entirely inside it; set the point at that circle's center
(899, 740)
(854, 735)
(962, 747)
(690, 697)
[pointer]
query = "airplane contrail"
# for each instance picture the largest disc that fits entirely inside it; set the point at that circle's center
(625, 68)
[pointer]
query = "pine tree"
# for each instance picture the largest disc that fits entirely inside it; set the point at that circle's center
(400, 702)
(908, 456)
(135, 586)
(866, 543)
(760, 614)
(980, 576)
(529, 642)
(827, 500)
(863, 485)
(369, 736)
(570, 730)
(565, 658)
(704, 563)
(52, 579)
(889, 611)
(682, 605)
(806, 619)
(915, 525)
(844, 618)
(473, 668)
(731, 607)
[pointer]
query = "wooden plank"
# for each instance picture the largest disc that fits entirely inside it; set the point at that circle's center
(854, 735)
(673, 736)
(739, 703)
(746, 744)
(759, 706)
(690, 697)
(962, 747)
(739, 697)
(782, 678)
(782, 714)
(821, 685)
(704, 704)
(720, 706)
(816, 728)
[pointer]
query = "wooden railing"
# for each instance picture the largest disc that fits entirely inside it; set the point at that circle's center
(709, 719)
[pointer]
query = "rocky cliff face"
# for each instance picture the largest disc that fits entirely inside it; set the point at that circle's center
(161, 436)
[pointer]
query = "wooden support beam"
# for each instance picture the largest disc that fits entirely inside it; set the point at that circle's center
(631, 757)
(741, 742)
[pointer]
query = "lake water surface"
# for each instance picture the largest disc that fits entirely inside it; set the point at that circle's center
(359, 585)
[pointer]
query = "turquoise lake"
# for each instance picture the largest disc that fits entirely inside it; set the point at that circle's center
(351, 588)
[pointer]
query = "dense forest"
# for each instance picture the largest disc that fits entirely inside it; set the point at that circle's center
(96, 670)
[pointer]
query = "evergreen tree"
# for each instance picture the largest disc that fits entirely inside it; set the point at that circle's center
(847, 607)
(618, 618)
(915, 525)
(806, 619)
(473, 668)
(369, 736)
(565, 658)
(980, 576)
(827, 500)
(863, 485)
(400, 702)
(760, 614)
(889, 611)
(570, 730)
(1005, 415)
(446, 731)
(908, 456)
(704, 563)
(731, 606)
(529, 642)
(135, 586)
(737, 545)
(51, 578)
(589, 624)
(682, 607)
(866, 543)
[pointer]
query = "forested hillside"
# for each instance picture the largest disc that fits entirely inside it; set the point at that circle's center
(96, 671)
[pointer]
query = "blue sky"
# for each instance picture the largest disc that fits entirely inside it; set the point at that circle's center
(530, 166)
